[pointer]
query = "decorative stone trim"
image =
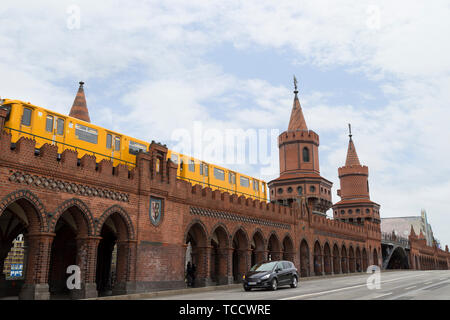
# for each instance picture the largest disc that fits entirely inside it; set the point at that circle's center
(339, 236)
(62, 186)
(235, 217)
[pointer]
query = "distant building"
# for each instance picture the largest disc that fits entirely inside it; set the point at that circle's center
(401, 226)
(14, 258)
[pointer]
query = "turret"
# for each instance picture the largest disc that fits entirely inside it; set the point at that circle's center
(355, 205)
(299, 165)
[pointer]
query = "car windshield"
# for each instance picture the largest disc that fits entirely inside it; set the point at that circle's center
(264, 266)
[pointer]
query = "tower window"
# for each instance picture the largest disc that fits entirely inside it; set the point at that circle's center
(300, 190)
(289, 190)
(305, 154)
(312, 189)
(280, 190)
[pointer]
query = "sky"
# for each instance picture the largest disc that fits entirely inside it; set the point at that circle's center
(187, 73)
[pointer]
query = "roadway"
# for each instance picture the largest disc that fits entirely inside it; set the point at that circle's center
(393, 285)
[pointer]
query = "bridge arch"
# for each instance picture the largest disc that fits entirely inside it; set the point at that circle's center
(336, 259)
(23, 218)
(240, 259)
(195, 238)
(304, 258)
(115, 248)
(398, 259)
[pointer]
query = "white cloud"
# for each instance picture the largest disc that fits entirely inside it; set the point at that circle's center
(174, 82)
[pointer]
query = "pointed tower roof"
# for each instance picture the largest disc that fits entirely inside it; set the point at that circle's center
(412, 233)
(79, 108)
(352, 156)
(297, 121)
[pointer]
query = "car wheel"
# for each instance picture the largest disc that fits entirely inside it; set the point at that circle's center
(294, 282)
(246, 288)
(273, 284)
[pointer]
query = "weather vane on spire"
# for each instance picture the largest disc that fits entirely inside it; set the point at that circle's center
(295, 84)
(350, 131)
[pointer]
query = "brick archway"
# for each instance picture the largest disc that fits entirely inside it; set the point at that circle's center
(304, 259)
(32, 202)
(220, 244)
(241, 252)
(197, 254)
(81, 206)
(116, 209)
(258, 247)
(22, 212)
(74, 244)
(116, 252)
(336, 260)
(318, 267)
(344, 259)
(327, 258)
(358, 260)
(274, 247)
(288, 248)
(365, 260)
(351, 259)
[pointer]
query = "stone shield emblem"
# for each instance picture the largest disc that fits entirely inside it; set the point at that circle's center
(156, 207)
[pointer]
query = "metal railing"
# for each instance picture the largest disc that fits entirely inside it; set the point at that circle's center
(390, 237)
(54, 142)
(210, 185)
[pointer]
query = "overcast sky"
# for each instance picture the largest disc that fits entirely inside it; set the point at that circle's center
(153, 68)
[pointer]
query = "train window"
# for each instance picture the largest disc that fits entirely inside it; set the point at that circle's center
(117, 144)
(206, 170)
(255, 185)
(8, 111)
(108, 141)
(60, 126)
(174, 158)
(219, 174)
(245, 182)
(191, 166)
(232, 178)
(49, 124)
(136, 147)
(201, 168)
(26, 117)
(86, 134)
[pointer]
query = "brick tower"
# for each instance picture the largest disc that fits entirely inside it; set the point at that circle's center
(299, 165)
(79, 108)
(355, 205)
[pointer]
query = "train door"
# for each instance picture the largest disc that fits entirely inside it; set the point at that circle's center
(232, 181)
(204, 173)
(113, 147)
(54, 131)
(26, 122)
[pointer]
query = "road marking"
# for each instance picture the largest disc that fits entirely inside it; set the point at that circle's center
(345, 288)
(410, 287)
(382, 295)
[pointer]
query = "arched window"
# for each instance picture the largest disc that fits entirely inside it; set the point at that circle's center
(305, 154)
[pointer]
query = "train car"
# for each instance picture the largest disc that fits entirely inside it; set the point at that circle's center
(45, 126)
(216, 177)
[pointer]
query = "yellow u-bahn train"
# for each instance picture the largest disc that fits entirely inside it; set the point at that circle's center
(45, 126)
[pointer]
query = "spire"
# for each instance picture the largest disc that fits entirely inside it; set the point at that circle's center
(412, 233)
(297, 121)
(352, 156)
(79, 108)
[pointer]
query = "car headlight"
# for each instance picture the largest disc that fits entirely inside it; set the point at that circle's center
(265, 277)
